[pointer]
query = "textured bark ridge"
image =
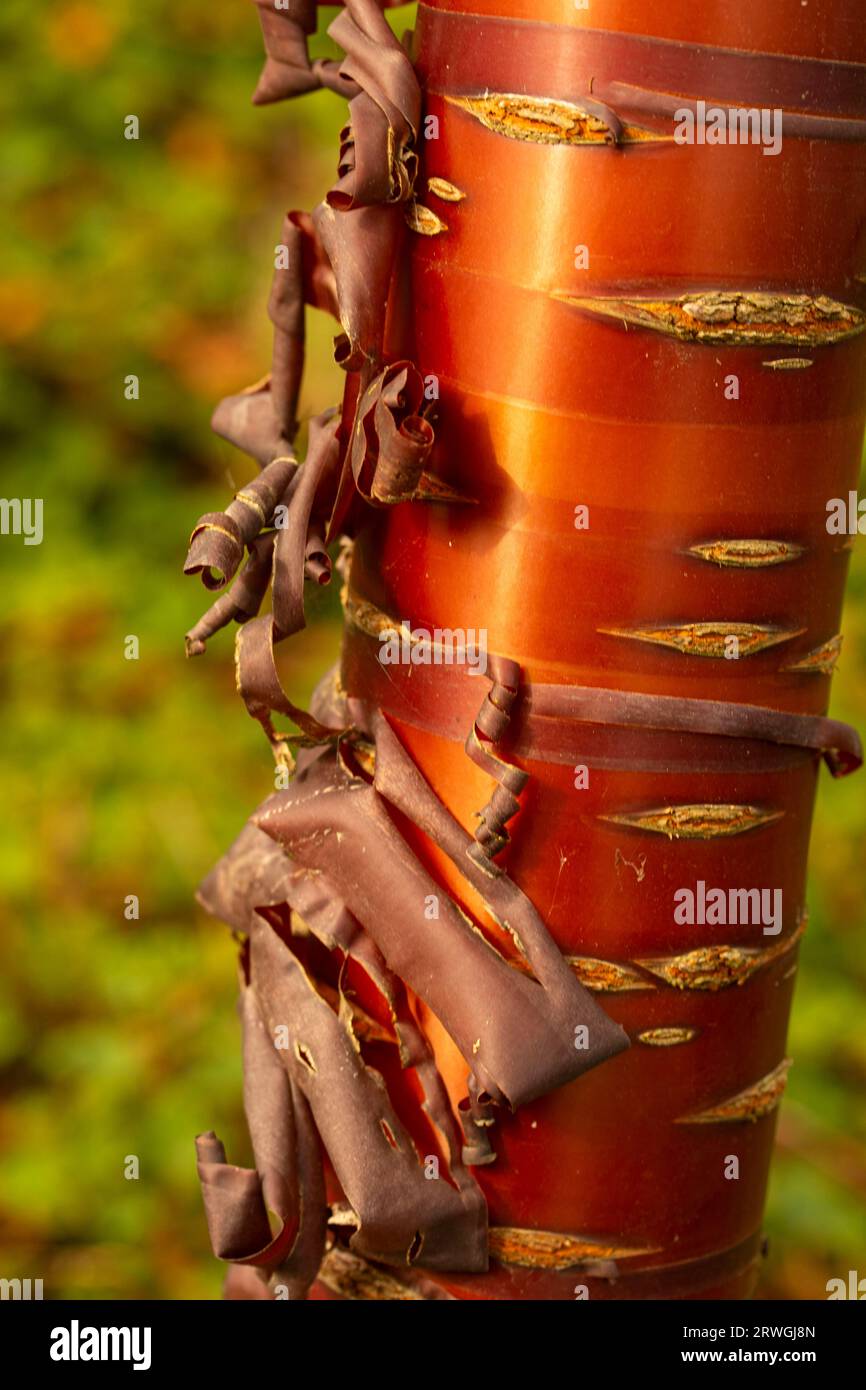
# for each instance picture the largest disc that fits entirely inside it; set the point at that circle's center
(517, 952)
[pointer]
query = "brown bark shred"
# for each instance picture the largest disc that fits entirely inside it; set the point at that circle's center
(491, 724)
(353, 1278)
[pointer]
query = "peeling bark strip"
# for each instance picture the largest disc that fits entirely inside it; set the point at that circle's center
(542, 121)
(649, 77)
(335, 825)
(394, 1211)
(709, 639)
(218, 542)
(490, 726)
(542, 721)
(718, 967)
(399, 1213)
(243, 600)
(723, 319)
(552, 1250)
(796, 124)
(392, 439)
(746, 554)
(752, 1104)
(288, 70)
(352, 1278)
(706, 822)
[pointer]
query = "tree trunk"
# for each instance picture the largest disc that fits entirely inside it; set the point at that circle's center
(606, 373)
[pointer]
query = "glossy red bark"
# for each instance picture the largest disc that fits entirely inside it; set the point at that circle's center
(544, 408)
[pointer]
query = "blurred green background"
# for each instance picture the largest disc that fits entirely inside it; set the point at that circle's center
(120, 777)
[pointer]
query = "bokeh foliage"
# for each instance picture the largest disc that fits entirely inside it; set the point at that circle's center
(119, 1037)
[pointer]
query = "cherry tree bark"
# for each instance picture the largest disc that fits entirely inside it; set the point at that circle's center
(520, 926)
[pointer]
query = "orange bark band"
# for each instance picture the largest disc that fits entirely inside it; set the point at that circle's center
(834, 31)
(635, 74)
(442, 698)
